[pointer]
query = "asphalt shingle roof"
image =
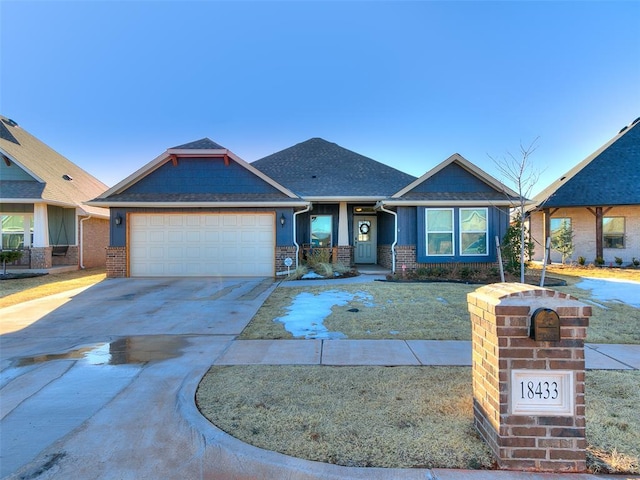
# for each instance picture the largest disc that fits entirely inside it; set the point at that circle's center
(50, 167)
(610, 176)
(318, 168)
(202, 144)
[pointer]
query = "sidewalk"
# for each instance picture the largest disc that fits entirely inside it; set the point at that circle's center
(396, 353)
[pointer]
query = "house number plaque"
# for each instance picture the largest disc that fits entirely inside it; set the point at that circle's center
(542, 392)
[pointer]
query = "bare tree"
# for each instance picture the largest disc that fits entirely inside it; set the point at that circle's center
(519, 171)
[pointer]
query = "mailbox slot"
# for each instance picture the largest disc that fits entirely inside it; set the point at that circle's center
(545, 325)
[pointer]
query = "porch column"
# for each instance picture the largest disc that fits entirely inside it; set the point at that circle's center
(599, 236)
(343, 226)
(40, 225)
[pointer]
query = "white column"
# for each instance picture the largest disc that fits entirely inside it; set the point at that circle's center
(343, 226)
(40, 225)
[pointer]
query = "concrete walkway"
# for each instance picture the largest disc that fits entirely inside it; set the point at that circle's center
(395, 353)
(99, 383)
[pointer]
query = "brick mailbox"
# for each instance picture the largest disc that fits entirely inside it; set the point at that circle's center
(528, 376)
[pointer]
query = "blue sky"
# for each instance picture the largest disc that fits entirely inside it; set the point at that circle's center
(112, 84)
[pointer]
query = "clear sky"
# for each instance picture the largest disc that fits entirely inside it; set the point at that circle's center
(112, 84)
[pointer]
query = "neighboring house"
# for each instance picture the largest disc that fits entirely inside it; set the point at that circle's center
(599, 199)
(41, 204)
(200, 210)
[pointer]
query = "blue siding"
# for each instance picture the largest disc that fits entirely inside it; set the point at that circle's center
(13, 172)
(452, 178)
(407, 232)
(201, 175)
(498, 223)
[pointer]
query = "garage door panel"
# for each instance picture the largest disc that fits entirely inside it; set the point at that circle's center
(201, 244)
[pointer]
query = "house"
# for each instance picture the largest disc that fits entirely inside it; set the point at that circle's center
(599, 199)
(199, 209)
(42, 197)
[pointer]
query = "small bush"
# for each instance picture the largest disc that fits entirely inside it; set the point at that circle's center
(635, 262)
(599, 261)
(618, 261)
(318, 256)
(582, 261)
(298, 273)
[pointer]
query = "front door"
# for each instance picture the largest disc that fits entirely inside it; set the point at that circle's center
(365, 239)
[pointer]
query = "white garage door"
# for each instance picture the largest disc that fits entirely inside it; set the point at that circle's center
(186, 245)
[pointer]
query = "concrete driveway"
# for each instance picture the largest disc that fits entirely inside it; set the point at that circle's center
(125, 352)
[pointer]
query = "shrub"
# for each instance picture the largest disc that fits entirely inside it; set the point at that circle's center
(511, 248)
(298, 273)
(318, 256)
(9, 256)
(618, 260)
(635, 262)
(599, 261)
(582, 261)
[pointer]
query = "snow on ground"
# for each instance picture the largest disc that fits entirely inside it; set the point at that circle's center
(608, 290)
(308, 311)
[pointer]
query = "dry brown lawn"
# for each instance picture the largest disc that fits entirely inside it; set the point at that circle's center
(428, 311)
(20, 290)
(402, 417)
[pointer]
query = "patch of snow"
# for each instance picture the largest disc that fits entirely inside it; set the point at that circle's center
(442, 300)
(610, 290)
(394, 332)
(308, 311)
(311, 276)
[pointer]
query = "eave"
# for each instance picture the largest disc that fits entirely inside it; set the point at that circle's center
(282, 204)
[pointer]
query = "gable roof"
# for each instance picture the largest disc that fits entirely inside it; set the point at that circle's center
(202, 149)
(467, 185)
(320, 170)
(54, 178)
(609, 176)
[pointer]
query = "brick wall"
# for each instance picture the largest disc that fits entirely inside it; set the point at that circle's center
(500, 317)
(69, 258)
(116, 262)
(583, 224)
(343, 254)
(95, 240)
(40, 257)
(385, 257)
(281, 254)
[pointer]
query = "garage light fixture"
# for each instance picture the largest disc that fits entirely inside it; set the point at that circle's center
(118, 219)
(282, 220)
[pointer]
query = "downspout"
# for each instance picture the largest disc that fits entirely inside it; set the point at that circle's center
(295, 214)
(395, 235)
(81, 241)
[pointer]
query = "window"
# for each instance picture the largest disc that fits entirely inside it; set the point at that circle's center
(439, 227)
(321, 228)
(14, 228)
(557, 225)
(613, 232)
(473, 231)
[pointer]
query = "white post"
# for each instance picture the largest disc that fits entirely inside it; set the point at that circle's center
(40, 225)
(343, 226)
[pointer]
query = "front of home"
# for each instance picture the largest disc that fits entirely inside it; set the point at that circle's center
(42, 207)
(200, 210)
(599, 201)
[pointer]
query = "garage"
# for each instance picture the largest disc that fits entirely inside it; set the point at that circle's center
(203, 244)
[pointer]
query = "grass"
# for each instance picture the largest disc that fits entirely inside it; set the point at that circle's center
(20, 290)
(396, 417)
(428, 311)
(401, 417)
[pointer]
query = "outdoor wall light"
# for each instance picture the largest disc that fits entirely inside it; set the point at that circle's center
(118, 220)
(282, 219)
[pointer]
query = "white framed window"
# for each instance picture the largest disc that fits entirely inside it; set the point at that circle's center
(16, 231)
(613, 232)
(474, 231)
(439, 231)
(321, 230)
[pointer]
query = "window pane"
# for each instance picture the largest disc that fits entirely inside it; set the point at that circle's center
(321, 230)
(12, 232)
(439, 221)
(473, 220)
(613, 232)
(440, 244)
(473, 243)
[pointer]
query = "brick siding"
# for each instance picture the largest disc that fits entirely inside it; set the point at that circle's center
(116, 262)
(500, 336)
